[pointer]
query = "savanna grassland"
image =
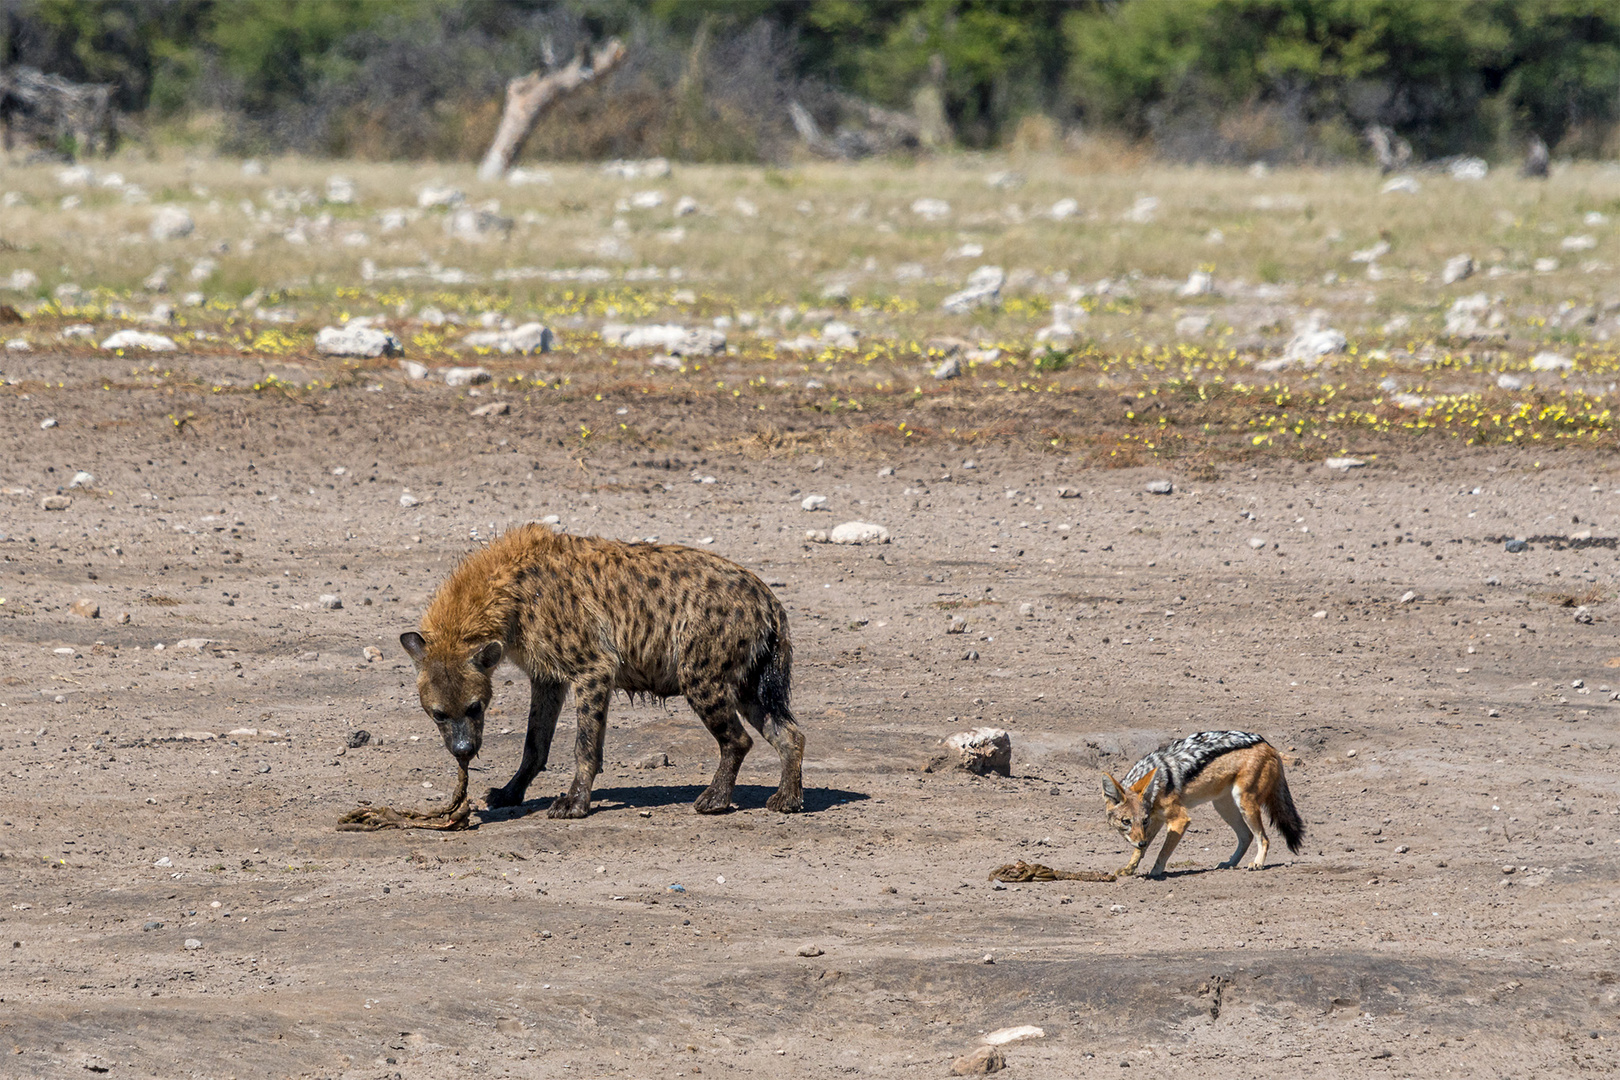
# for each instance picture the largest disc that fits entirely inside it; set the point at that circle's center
(180, 903)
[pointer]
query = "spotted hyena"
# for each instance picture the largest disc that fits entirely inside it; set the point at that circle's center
(598, 616)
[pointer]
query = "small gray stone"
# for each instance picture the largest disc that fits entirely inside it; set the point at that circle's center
(357, 739)
(654, 761)
(264, 766)
(810, 950)
(331, 601)
(192, 944)
(1516, 546)
(814, 502)
(56, 502)
(1160, 487)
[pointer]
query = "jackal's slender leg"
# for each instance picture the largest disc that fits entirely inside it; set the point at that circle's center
(1249, 803)
(1230, 814)
(1149, 831)
(1174, 827)
(717, 705)
(591, 694)
(545, 702)
(786, 739)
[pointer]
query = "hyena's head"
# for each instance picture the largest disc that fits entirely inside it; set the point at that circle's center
(1127, 807)
(454, 686)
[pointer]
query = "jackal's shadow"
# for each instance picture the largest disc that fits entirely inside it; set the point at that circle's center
(672, 796)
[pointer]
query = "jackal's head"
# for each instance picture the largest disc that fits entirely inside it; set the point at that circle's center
(1127, 807)
(454, 686)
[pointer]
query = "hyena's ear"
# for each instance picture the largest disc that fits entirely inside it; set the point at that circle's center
(487, 656)
(415, 645)
(1142, 784)
(1111, 789)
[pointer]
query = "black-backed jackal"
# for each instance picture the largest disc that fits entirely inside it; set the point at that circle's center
(1236, 770)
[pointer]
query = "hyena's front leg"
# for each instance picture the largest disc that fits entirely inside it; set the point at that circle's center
(545, 702)
(591, 694)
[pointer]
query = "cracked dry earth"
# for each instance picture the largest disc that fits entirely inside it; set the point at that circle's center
(154, 798)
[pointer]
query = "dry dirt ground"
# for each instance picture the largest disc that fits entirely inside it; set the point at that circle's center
(1453, 754)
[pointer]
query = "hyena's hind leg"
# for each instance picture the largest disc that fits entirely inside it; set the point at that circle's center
(785, 738)
(717, 706)
(1230, 814)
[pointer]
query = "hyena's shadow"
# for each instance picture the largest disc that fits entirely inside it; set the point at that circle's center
(678, 796)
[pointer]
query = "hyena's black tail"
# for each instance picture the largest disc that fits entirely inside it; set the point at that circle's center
(773, 677)
(1285, 815)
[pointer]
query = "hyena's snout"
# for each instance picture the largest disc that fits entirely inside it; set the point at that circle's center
(463, 736)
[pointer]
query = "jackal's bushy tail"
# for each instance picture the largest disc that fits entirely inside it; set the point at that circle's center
(1285, 815)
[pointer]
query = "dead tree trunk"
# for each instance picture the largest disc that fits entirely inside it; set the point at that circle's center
(530, 95)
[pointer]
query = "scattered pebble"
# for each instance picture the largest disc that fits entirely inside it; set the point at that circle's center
(192, 944)
(331, 601)
(357, 739)
(654, 761)
(810, 950)
(1160, 487)
(56, 502)
(814, 502)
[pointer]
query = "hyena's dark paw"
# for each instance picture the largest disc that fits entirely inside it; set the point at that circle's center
(786, 802)
(713, 801)
(500, 797)
(569, 806)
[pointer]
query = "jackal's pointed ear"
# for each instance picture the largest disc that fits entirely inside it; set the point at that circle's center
(486, 656)
(1111, 789)
(1142, 784)
(414, 644)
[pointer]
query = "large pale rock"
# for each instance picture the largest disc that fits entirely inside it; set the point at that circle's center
(352, 340)
(1457, 268)
(982, 750)
(466, 376)
(982, 289)
(1473, 317)
(172, 223)
(671, 338)
(439, 195)
(528, 338)
(138, 339)
(859, 532)
(477, 224)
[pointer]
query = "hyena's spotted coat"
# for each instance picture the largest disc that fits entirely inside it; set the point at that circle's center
(598, 616)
